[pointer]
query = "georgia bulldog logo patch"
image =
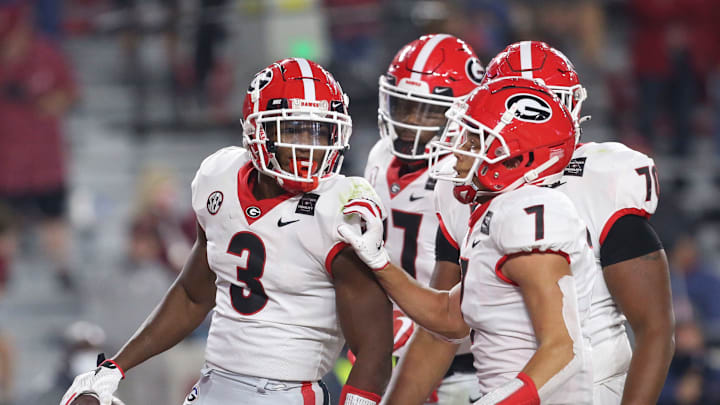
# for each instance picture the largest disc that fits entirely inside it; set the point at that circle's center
(214, 202)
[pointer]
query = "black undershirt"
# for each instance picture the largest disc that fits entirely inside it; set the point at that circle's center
(444, 250)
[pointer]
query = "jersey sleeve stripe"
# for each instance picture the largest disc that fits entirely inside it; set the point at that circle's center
(617, 215)
(445, 232)
(331, 255)
(501, 262)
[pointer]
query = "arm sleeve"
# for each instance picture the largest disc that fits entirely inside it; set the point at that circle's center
(629, 237)
(444, 250)
(453, 215)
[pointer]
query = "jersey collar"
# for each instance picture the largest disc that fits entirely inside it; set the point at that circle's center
(252, 208)
(477, 214)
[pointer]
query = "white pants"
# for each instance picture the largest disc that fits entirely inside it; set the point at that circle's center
(456, 389)
(611, 360)
(609, 391)
(217, 387)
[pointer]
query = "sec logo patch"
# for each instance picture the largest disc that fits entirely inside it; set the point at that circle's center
(214, 202)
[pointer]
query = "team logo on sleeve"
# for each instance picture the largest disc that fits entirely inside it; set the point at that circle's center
(531, 108)
(214, 202)
(485, 225)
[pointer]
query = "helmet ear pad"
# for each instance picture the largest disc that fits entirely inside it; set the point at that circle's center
(465, 193)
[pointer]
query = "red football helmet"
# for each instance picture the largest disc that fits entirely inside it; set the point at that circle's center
(296, 123)
(524, 135)
(538, 60)
(423, 80)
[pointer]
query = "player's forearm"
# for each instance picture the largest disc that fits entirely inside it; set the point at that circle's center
(653, 352)
(370, 373)
(421, 369)
(175, 318)
(549, 361)
(426, 306)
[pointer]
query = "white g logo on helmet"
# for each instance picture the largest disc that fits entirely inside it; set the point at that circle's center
(474, 70)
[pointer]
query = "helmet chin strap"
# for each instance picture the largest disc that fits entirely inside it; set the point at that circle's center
(529, 177)
(295, 187)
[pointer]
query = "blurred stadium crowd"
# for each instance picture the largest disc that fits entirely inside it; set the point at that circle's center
(102, 129)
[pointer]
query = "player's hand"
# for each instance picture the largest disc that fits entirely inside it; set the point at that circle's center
(368, 245)
(102, 382)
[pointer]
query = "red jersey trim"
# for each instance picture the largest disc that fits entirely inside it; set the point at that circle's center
(501, 262)
(307, 393)
(477, 214)
(393, 176)
(617, 215)
(246, 183)
(445, 232)
(331, 255)
(71, 399)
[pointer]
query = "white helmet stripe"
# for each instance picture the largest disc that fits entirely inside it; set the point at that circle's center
(421, 60)
(308, 84)
(526, 59)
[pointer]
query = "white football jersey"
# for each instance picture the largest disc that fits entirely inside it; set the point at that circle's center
(275, 311)
(604, 181)
(412, 222)
(529, 219)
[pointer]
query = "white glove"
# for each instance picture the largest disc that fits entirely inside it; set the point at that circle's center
(101, 382)
(369, 246)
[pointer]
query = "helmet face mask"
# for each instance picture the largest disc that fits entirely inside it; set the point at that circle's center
(296, 124)
(411, 123)
(423, 80)
(509, 132)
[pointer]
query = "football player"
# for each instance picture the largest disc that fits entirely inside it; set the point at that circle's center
(615, 190)
(421, 83)
(527, 269)
(270, 262)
